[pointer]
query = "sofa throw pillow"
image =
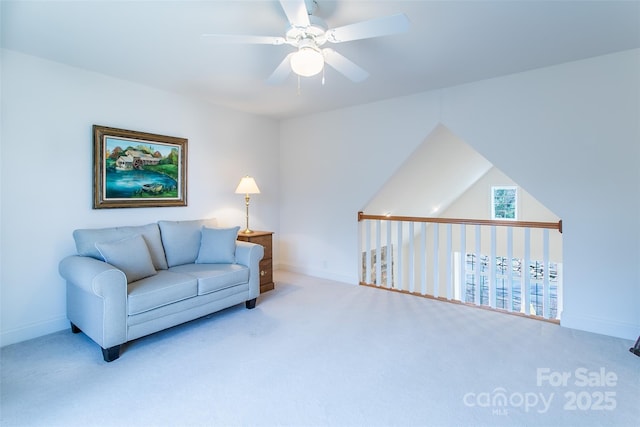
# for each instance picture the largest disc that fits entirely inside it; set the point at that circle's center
(218, 246)
(131, 255)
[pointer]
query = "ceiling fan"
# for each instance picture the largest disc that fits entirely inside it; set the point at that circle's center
(308, 34)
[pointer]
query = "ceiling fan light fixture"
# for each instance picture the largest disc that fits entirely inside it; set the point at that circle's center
(307, 61)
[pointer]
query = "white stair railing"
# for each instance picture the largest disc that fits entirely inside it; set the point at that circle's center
(500, 265)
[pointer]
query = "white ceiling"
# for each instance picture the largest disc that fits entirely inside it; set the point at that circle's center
(158, 43)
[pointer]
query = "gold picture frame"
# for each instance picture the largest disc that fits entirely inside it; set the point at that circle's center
(137, 169)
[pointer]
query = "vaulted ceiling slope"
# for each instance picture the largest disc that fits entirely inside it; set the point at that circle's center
(159, 44)
(428, 182)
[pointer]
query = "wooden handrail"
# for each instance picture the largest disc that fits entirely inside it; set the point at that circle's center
(506, 223)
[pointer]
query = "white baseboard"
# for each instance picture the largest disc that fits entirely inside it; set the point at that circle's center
(33, 330)
(323, 274)
(598, 325)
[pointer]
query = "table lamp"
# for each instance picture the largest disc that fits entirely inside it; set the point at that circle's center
(247, 186)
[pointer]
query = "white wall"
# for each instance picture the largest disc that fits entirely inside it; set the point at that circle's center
(569, 134)
(476, 203)
(332, 164)
(48, 110)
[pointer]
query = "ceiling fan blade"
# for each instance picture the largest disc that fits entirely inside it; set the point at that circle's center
(282, 72)
(376, 27)
(234, 39)
(296, 11)
(352, 71)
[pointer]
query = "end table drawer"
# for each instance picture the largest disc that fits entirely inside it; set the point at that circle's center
(266, 272)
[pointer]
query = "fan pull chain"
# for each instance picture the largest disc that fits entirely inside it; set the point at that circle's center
(322, 76)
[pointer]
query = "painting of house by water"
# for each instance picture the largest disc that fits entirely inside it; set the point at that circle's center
(143, 170)
(134, 159)
(140, 170)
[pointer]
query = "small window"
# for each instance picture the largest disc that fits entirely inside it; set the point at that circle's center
(504, 203)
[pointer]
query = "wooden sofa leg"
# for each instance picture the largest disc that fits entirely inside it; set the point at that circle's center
(110, 354)
(251, 303)
(75, 329)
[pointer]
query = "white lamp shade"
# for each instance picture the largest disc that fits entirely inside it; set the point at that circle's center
(307, 62)
(247, 186)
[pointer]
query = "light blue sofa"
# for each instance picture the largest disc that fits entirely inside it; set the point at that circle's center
(128, 282)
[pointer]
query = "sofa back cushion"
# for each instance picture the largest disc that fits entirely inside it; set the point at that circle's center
(86, 240)
(181, 239)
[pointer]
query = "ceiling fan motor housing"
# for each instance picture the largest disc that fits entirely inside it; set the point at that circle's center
(316, 32)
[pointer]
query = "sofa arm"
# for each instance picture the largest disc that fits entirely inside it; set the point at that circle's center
(250, 254)
(96, 299)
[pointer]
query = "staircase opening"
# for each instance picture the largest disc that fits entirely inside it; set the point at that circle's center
(442, 227)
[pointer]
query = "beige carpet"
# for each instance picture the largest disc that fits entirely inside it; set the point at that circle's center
(320, 353)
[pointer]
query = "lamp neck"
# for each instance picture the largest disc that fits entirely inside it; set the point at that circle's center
(247, 230)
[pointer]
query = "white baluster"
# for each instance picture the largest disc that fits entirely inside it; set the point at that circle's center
(436, 256)
(423, 260)
(378, 254)
(367, 253)
(463, 262)
(509, 294)
(411, 255)
(492, 269)
(546, 290)
(526, 272)
(449, 252)
(390, 266)
(476, 273)
(400, 284)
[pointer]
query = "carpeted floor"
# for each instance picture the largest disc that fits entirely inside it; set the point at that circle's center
(320, 353)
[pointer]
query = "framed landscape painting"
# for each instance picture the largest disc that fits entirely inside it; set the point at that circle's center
(136, 169)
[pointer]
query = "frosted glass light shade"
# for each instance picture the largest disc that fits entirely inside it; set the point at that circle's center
(307, 62)
(247, 186)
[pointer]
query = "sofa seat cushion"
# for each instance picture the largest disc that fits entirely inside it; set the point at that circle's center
(214, 277)
(164, 288)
